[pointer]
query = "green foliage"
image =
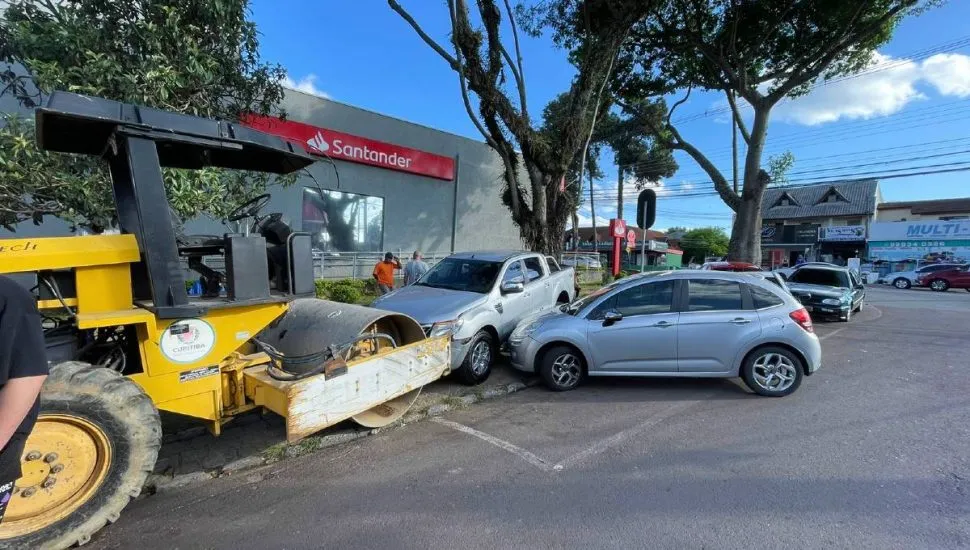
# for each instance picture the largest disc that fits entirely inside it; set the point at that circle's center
(348, 291)
(199, 57)
(702, 242)
(778, 167)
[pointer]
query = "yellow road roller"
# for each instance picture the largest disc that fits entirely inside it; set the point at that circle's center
(125, 339)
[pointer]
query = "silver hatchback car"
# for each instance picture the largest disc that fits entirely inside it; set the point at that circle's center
(687, 323)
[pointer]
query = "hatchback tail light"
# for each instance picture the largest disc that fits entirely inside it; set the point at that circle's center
(803, 319)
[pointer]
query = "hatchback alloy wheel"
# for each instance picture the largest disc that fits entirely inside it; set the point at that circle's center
(562, 368)
(772, 371)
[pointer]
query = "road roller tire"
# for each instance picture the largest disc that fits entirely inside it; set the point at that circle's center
(97, 438)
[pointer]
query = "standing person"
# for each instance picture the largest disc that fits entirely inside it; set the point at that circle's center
(23, 368)
(415, 269)
(384, 273)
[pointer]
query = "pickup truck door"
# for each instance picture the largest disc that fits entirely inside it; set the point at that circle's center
(512, 307)
(538, 283)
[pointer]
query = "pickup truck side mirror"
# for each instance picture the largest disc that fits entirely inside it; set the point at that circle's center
(612, 316)
(512, 287)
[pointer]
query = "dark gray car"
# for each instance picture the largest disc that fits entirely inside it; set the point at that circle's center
(682, 324)
(828, 291)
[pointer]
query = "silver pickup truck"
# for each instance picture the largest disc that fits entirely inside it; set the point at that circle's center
(479, 298)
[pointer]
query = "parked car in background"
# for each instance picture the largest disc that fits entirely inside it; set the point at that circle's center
(587, 262)
(908, 279)
(787, 271)
(729, 266)
(689, 323)
(828, 290)
(943, 280)
(478, 298)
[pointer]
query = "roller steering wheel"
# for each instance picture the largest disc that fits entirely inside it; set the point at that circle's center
(250, 209)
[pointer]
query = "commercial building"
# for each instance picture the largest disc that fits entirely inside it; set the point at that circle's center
(382, 184)
(825, 222)
(942, 209)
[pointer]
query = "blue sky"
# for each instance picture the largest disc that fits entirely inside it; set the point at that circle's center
(914, 103)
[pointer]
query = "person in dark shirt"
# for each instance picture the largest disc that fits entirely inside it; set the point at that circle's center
(23, 368)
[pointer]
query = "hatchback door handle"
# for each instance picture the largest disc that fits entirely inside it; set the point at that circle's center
(664, 324)
(740, 321)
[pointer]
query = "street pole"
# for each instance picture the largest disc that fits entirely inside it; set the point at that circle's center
(643, 241)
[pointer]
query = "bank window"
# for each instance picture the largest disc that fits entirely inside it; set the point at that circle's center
(714, 295)
(343, 222)
(533, 268)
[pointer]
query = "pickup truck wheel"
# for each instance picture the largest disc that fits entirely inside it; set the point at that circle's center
(562, 368)
(478, 361)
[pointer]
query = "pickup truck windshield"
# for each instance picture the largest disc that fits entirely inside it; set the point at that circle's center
(462, 274)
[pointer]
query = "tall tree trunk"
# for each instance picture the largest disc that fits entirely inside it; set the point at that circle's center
(592, 211)
(575, 217)
(745, 245)
(619, 192)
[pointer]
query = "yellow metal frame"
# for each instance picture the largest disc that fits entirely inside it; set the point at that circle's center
(101, 267)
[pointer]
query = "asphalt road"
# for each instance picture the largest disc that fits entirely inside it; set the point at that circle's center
(872, 452)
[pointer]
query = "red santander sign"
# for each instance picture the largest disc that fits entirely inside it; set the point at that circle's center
(338, 145)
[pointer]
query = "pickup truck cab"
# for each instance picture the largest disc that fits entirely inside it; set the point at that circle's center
(479, 298)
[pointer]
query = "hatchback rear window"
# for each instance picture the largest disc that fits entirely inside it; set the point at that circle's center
(714, 295)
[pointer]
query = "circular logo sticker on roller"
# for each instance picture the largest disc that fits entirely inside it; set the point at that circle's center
(187, 341)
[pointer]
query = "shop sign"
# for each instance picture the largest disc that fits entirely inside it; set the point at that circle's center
(330, 143)
(957, 251)
(769, 234)
(922, 230)
(657, 246)
(631, 238)
(842, 233)
(805, 233)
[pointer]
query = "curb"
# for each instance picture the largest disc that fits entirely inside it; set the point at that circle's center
(159, 483)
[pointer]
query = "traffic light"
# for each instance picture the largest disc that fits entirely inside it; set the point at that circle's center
(646, 209)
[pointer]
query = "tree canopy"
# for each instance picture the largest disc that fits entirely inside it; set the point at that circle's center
(199, 57)
(755, 52)
(702, 242)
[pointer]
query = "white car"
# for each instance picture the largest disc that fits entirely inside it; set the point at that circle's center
(588, 262)
(908, 279)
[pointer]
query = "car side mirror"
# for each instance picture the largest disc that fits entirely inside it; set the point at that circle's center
(512, 287)
(860, 286)
(612, 316)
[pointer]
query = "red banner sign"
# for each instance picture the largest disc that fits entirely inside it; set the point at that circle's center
(352, 148)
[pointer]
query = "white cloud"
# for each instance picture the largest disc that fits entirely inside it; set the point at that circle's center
(586, 221)
(669, 189)
(307, 85)
(890, 85)
(883, 92)
(949, 73)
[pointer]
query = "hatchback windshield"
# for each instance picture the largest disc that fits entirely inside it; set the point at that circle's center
(462, 274)
(825, 277)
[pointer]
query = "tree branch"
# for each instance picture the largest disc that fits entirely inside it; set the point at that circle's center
(424, 36)
(461, 81)
(736, 113)
(679, 103)
(837, 47)
(520, 74)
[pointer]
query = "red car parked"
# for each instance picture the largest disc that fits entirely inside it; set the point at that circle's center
(730, 266)
(941, 281)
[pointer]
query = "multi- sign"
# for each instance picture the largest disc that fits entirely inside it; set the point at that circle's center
(338, 145)
(923, 230)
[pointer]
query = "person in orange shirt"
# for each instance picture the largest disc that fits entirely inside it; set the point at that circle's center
(384, 273)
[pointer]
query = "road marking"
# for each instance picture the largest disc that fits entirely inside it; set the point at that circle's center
(838, 330)
(622, 436)
(500, 443)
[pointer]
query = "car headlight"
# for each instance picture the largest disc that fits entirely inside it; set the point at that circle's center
(525, 330)
(832, 302)
(446, 328)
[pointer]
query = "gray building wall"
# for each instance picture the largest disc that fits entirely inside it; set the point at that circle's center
(418, 210)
